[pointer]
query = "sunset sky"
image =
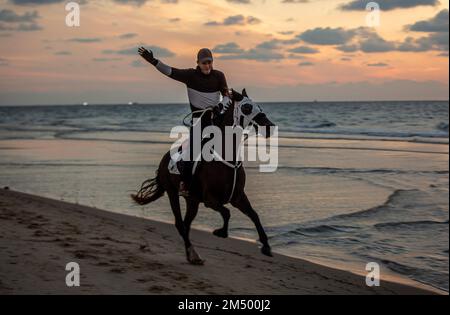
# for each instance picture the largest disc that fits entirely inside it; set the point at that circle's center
(280, 50)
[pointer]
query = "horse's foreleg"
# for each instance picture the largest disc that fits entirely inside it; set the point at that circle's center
(191, 254)
(225, 213)
(191, 212)
(244, 205)
(175, 205)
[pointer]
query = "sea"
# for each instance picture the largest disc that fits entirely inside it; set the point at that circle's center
(356, 182)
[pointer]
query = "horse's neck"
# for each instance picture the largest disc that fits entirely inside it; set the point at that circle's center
(228, 122)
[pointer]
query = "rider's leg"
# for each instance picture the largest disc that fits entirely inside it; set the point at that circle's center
(185, 167)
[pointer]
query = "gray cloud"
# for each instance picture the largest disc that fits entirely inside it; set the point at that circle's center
(159, 52)
(327, 36)
(139, 3)
(85, 40)
(376, 43)
(387, 5)
(263, 52)
(228, 48)
(22, 27)
(12, 21)
(306, 64)
(128, 35)
(235, 20)
(378, 64)
(304, 50)
(240, 1)
(132, 2)
(295, 1)
(437, 24)
(42, 2)
(63, 53)
(9, 16)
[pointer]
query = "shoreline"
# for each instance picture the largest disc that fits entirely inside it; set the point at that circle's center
(121, 254)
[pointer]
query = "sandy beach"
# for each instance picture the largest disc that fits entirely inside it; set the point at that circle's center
(121, 254)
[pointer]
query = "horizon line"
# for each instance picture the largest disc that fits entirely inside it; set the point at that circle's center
(187, 103)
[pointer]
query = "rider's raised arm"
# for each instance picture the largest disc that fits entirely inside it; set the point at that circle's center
(181, 75)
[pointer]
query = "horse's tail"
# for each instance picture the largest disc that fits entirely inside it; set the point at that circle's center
(150, 191)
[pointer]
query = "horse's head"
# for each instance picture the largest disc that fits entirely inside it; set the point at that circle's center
(247, 113)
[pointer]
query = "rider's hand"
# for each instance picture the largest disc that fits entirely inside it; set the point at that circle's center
(147, 55)
(225, 103)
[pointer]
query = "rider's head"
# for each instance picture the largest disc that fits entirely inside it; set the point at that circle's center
(205, 60)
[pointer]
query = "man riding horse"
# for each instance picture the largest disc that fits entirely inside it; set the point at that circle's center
(218, 182)
(205, 86)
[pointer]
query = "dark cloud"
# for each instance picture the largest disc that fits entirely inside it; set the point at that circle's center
(159, 52)
(9, 16)
(348, 48)
(295, 1)
(263, 52)
(128, 35)
(387, 5)
(106, 59)
(132, 2)
(240, 1)
(228, 48)
(306, 64)
(35, 2)
(63, 53)
(22, 27)
(437, 24)
(304, 50)
(376, 43)
(378, 64)
(139, 3)
(85, 40)
(235, 20)
(438, 36)
(12, 21)
(327, 36)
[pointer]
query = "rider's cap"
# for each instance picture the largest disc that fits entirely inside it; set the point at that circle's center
(204, 54)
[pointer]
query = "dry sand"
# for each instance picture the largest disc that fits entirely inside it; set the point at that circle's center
(120, 254)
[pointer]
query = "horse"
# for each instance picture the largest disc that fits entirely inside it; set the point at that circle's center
(215, 183)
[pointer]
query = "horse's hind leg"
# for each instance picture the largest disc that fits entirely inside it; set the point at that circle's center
(243, 204)
(191, 255)
(222, 232)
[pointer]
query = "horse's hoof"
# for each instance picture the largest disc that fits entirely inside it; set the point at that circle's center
(193, 258)
(265, 250)
(221, 233)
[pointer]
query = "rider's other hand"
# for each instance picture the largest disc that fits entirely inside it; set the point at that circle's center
(225, 103)
(146, 54)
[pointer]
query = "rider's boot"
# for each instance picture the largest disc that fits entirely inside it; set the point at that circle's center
(183, 190)
(185, 168)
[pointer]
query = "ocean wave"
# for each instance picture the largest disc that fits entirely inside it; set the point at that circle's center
(332, 170)
(443, 126)
(376, 210)
(408, 224)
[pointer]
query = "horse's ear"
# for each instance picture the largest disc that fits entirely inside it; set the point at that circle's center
(236, 95)
(244, 93)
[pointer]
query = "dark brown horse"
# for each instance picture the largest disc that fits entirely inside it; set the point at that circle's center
(215, 183)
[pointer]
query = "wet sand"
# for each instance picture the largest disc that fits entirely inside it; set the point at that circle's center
(120, 254)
